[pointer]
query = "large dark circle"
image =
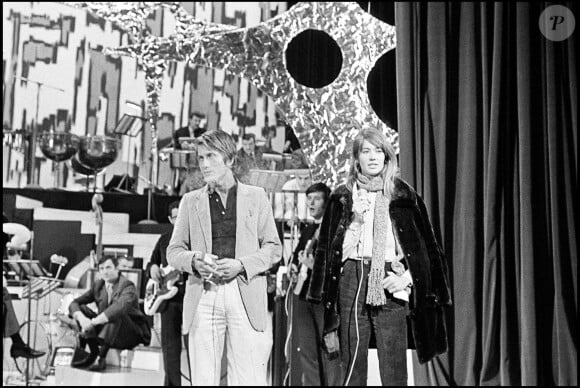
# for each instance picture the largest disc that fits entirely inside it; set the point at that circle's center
(313, 58)
(382, 88)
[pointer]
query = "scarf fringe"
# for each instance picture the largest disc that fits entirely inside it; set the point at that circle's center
(376, 294)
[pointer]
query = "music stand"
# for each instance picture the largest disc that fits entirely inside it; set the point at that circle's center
(28, 268)
(41, 286)
(270, 180)
(128, 125)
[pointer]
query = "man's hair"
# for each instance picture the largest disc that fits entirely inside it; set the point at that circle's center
(249, 136)
(319, 187)
(197, 114)
(113, 258)
(219, 141)
(173, 205)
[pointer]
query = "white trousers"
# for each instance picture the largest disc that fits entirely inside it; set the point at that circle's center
(221, 318)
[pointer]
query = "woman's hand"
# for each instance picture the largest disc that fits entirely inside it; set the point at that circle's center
(360, 206)
(394, 283)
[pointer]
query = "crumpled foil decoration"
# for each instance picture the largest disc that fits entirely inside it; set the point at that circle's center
(153, 53)
(326, 119)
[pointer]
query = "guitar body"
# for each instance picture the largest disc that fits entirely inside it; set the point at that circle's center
(157, 293)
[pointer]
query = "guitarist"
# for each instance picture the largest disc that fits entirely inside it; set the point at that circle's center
(171, 310)
(312, 365)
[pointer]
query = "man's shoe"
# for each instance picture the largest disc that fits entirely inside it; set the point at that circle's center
(84, 362)
(25, 351)
(99, 366)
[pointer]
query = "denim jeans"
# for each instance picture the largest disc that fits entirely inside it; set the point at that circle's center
(388, 323)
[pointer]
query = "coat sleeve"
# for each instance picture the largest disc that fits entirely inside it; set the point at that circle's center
(438, 262)
(84, 299)
(323, 254)
(270, 247)
(179, 254)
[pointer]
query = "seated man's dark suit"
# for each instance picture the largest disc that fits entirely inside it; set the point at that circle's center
(127, 326)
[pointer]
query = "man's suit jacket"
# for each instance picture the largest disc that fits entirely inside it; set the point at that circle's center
(124, 299)
(258, 247)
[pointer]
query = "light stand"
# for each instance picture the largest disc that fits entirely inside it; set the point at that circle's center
(32, 142)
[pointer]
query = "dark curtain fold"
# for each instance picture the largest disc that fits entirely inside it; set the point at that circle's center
(487, 117)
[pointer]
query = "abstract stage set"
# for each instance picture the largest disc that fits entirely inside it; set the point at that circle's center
(105, 103)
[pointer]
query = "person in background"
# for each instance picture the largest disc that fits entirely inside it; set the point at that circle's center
(119, 323)
(316, 368)
(376, 253)
(248, 157)
(192, 130)
(172, 309)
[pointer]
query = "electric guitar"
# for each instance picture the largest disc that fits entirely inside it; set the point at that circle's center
(156, 293)
(303, 271)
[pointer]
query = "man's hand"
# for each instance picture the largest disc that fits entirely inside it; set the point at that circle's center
(229, 268)
(206, 266)
(84, 322)
(155, 273)
(308, 260)
(394, 283)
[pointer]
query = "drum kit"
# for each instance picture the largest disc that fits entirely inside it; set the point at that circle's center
(181, 161)
(88, 155)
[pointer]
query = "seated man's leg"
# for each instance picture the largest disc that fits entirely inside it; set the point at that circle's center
(89, 338)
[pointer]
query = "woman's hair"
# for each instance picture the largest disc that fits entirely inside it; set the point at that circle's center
(378, 139)
(219, 141)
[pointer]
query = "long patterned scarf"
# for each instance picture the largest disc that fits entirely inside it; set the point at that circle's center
(376, 293)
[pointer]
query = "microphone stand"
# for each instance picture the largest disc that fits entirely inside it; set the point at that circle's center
(30, 259)
(149, 201)
(32, 142)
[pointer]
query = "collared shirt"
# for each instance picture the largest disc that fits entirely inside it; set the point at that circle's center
(109, 289)
(223, 223)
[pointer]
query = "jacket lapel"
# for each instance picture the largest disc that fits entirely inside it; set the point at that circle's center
(204, 216)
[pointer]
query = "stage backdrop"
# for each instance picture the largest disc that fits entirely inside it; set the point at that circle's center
(86, 93)
(489, 137)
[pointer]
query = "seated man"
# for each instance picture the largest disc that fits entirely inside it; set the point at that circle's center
(248, 157)
(193, 129)
(11, 328)
(119, 324)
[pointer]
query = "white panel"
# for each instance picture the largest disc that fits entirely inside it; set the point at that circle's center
(143, 243)
(113, 223)
(27, 203)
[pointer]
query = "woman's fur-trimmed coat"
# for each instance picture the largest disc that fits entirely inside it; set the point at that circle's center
(424, 257)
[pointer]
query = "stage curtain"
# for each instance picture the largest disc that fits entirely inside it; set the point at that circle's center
(487, 117)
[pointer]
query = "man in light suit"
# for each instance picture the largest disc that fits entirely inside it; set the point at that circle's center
(225, 238)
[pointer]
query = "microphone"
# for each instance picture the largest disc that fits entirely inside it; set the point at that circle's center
(363, 194)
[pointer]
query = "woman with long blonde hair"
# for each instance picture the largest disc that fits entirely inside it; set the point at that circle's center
(377, 259)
